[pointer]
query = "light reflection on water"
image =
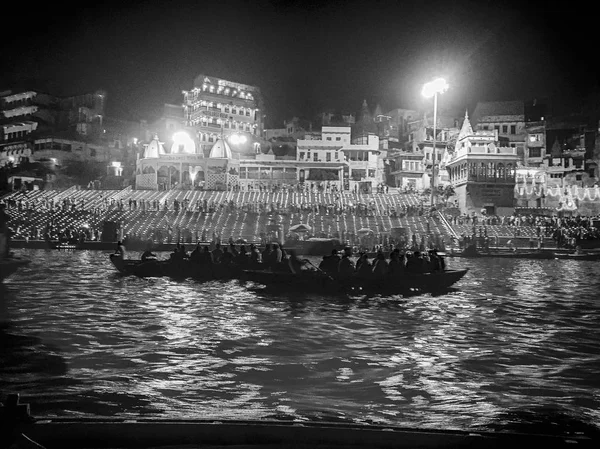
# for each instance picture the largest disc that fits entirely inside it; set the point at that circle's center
(516, 337)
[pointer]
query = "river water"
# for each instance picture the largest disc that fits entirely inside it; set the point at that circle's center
(516, 344)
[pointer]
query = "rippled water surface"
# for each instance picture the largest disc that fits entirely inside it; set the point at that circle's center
(516, 340)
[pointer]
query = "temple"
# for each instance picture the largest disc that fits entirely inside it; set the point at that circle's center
(481, 172)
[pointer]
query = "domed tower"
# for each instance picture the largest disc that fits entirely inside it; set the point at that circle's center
(220, 150)
(154, 149)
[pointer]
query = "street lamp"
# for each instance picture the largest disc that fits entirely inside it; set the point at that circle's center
(432, 89)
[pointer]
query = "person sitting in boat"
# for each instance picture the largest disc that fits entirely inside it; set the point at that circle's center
(437, 261)
(183, 252)
(295, 264)
(176, 254)
(396, 266)
(330, 263)
(364, 269)
(241, 258)
(120, 251)
(414, 262)
(227, 257)
(205, 257)
(276, 257)
(254, 255)
(148, 255)
(346, 266)
(380, 266)
(195, 255)
(217, 253)
(4, 232)
(265, 256)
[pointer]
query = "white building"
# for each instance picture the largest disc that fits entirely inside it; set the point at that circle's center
(358, 166)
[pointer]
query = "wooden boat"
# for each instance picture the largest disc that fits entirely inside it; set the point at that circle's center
(176, 269)
(547, 255)
(141, 433)
(262, 434)
(578, 256)
(320, 282)
(10, 265)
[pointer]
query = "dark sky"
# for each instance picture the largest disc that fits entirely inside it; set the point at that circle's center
(305, 56)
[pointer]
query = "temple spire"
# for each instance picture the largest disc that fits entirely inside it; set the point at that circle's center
(467, 129)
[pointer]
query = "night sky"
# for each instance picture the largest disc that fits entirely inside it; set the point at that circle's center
(305, 56)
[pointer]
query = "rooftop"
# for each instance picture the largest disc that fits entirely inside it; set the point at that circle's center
(498, 108)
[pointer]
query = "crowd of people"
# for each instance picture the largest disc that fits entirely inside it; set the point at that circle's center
(339, 265)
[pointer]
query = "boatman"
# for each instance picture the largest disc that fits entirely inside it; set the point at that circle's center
(4, 232)
(346, 265)
(120, 251)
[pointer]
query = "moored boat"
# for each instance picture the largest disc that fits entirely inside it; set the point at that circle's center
(578, 256)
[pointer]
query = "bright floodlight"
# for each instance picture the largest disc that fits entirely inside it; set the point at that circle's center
(237, 139)
(181, 137)
(437, 86)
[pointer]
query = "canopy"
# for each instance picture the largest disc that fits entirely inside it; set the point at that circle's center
(365, 231)
(241, 241)
(301, 228)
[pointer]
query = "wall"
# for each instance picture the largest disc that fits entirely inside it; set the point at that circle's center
(474, 197)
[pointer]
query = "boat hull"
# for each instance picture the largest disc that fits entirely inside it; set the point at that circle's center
(10, 265)
(149, 433)
(578, 256)
(315, 281)
(175, 269)
(507, 255)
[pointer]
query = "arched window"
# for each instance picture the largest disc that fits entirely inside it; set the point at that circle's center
(510, 173)
(501, 171)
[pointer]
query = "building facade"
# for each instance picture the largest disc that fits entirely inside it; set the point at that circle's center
(482, 173)
(330, 160)
(215, 108)
(27, 115)
(507, 118)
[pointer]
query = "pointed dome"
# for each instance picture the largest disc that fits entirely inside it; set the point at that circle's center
(221, 150)
(467, 129)
(154, 148)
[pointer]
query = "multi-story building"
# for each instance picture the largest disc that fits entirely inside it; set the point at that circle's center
(399, 120)
(419, 147)
(215, 107)
(27, 116)
(482, 172)
(508, 119)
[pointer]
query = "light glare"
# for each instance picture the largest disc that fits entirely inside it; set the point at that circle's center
(437, 86)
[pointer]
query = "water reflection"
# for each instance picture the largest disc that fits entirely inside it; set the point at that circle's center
(511, 337)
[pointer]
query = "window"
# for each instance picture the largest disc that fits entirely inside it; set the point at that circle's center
(578, 177)
(371, 173)
(226, 110)
(338, 138)
(329, 138)
(301, 155)
(328, 157)
(485, 128)
(513, 129)
(315, 157)
(233, 110)
(497, 128)
(504, 129)
(535, 152)
(248, 112)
